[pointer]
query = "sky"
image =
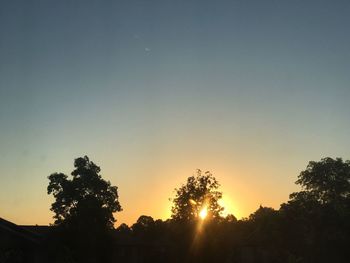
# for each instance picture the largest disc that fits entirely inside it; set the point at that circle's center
(153, 90)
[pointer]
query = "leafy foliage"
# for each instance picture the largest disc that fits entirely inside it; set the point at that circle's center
(313, 226)
(198, 192)
(84, 200)
(327, 180)
(317, 218)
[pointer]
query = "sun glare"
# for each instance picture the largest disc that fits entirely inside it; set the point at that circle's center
(203, 213)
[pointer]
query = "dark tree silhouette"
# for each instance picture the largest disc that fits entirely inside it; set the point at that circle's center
(144, 229)
(326, 181)
(86, 199)
(317, 218)
(263, 214)
(199, 191)
(143, 222)
(313, 226)
(230, 218)
(123, 229)
(265, 225)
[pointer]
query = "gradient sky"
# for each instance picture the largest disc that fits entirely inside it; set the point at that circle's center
(152, 90)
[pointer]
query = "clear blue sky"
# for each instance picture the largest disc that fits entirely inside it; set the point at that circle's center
(152, 90)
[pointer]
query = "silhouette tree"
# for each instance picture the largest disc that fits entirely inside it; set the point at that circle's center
(123, 229)
(317, 218)
(265, 223)
(263, 214)
(326, 181)
(86, 199)
(144, 229)
(199, 192)
(143, 222)
(230, 218)
(123, 233)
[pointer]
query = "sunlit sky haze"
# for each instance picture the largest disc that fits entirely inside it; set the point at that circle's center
(153, 90)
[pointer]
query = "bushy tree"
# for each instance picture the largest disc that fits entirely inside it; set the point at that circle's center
(200, 191)
(317, 217)
(326, 181)
(86, 199)
(143, 222)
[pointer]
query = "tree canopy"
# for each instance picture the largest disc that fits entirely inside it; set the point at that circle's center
(327, 180)
(86, 199)
(313, 226)
(317, 217)
(199, 192)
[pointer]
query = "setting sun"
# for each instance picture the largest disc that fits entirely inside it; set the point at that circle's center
(203, 213)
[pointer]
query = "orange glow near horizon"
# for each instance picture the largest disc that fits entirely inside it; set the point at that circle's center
(228, 206)
(241, 196)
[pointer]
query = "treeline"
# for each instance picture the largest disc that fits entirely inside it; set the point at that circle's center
(313, 226)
